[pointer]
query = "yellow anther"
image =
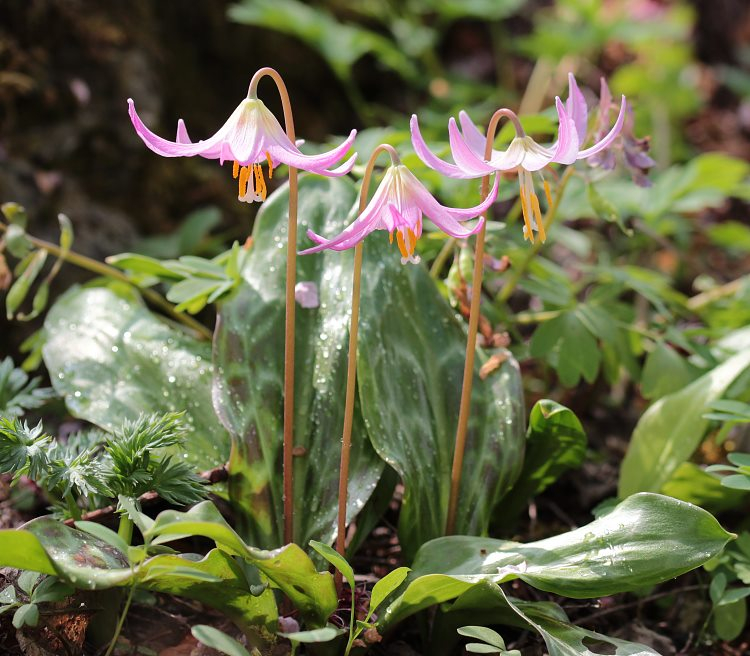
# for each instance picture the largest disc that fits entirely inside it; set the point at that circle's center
(260, 183)
(390, 237)
(270, 165)
(235, 169)
(538, 217)
(401, 245)
(529, 233)
(412, 240)
(419, 225)
(244, 177)
(548, 193)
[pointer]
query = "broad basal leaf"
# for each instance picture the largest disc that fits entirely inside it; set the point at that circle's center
(89, 563)
(113, 360)
(249, 380)
(410, 371)
(646, 539)
(288, 568)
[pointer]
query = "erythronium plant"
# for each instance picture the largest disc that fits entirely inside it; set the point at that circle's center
(473, 160)
(474, 156)
(397, 206)
(250, 137)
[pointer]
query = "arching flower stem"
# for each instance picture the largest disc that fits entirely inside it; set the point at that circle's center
(291, 279)
(471, 341)
(351, 372)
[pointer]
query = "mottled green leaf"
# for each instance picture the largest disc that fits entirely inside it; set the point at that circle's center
(89, 563)
(410, 371)
(565, 639)
(249, 379)
(113, 360)
(673, 427)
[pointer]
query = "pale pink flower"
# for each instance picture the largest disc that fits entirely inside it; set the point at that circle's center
(397, 206)
(523, 153)
(250, 136)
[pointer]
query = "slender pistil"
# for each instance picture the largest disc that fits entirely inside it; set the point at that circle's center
(476, 294)
(291, 279)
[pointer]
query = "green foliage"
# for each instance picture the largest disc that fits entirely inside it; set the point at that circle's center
(23, 450)
(113, 361)
(88, 562)
(732, 566)
(218, 640)
(30, 265)
(194, 281)
(128, 462)
(672, 428)
(288, 568)
(249, 375)
(489, 603)
(492, 641)
(192, 237)
(739, 478)
(32, 591)
(623, 550)
(555, 443)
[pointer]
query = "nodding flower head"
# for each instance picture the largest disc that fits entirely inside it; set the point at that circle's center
(397, 206)
(523, 153)
(250, 137)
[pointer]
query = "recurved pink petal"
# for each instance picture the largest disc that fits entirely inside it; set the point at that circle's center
(314, 163)
(465, 157)
(427, 156)
(448, 218)
(566, 149)
(168, 148)
(577, 109)
(473, 137)
(347, 166)
(182, 133)
(611, 135)
(370, 219)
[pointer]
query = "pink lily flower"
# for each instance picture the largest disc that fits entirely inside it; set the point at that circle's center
(250, 136)
(523, 153)
(397, 206)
